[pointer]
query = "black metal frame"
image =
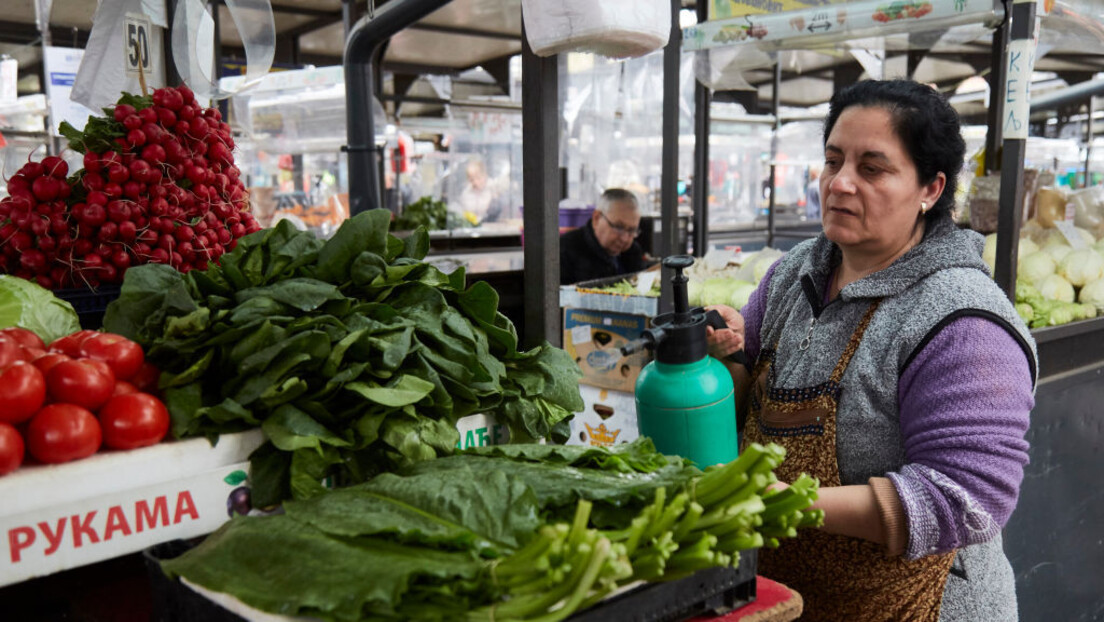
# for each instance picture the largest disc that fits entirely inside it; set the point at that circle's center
(1012, 157)
(540, 87)
(362, 46)
(703, 98)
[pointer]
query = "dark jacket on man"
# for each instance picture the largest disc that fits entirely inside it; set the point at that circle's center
(582, 257)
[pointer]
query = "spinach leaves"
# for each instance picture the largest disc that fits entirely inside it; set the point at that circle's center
(354, 355)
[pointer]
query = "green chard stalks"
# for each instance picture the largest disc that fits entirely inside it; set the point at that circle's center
(513, 562)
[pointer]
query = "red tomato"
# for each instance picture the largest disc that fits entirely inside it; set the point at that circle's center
(22, 392)
(103, 368)
(79, 382)
(11, 449)
(24, 337)
(147, 378)
(122, 387)
(63, 432)
(48, 360)
(70, 344)
(33, 353)
(123, 355)
(134, 420)
(11, 352)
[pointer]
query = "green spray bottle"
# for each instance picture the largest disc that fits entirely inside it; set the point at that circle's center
(684, 398)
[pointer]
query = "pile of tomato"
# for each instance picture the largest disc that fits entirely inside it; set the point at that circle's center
(63, 401)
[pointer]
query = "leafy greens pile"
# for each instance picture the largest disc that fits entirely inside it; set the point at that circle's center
(353, 355)
(429, 213)
(525, 532)
(626, 287)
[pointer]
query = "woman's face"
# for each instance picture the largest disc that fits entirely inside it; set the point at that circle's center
(870, 194)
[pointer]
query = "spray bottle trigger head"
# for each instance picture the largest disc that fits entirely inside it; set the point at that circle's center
(714, 319)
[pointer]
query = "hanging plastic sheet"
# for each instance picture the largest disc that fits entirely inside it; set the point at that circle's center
(193, 37)
(1072, 26)
(297, 111)
(102, 76)
(613, 28)
(724, 68)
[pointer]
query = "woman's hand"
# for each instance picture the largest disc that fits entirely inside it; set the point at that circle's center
(726, 341)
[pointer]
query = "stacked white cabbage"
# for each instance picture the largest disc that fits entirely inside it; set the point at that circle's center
(1056, 283)
(729, 284)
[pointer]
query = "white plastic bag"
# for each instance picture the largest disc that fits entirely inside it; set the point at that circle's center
(614, 28)
(102, 76)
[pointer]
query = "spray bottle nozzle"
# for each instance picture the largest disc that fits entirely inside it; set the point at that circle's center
(648, 339)
(678, 263)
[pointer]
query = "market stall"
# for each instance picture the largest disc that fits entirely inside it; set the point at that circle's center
(297, 313)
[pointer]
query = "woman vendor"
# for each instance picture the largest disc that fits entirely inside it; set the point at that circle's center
(891, 367)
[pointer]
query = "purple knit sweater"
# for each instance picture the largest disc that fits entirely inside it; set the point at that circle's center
(963, 405)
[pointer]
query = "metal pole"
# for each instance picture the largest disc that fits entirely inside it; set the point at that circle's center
(1017, 65)
(540, 105)
(213, 7)
(668, 190)
(172, 74)
(348, 15)
(360, 48)
(1088, 144)
(1071, 95)
(216, 72)
(703, 97)
(42, 20)
(997, 78)
(775, 97)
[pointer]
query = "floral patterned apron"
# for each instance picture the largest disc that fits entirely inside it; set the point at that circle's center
(840, 578)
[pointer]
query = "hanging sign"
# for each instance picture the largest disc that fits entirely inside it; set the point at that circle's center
(723, 9)
(834, 22)
(137, 52)
(1019, 61)
(9, 80)
(61, 66)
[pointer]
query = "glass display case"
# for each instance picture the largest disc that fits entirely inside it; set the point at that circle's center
(23, 131)
(293, 127)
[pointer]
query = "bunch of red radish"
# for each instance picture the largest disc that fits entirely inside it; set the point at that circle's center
(159, 185)
(64, 401)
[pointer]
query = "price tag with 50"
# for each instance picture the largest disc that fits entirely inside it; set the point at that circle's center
(136, 44)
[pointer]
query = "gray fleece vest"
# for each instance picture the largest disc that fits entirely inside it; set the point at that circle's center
(939, 280)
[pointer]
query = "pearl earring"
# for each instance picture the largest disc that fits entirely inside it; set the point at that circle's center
(923, 207)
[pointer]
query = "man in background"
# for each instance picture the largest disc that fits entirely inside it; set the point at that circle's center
(606, 246)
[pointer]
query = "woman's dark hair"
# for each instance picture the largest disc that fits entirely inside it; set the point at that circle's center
(925, 123)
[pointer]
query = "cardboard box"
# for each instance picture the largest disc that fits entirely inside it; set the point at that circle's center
(587, 295)
(60, 516)
(594, 339)
(608, 418)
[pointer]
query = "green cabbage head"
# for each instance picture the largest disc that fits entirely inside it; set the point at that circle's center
(31, 306)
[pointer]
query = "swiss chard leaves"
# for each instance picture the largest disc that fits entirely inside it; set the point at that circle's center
(400, 542)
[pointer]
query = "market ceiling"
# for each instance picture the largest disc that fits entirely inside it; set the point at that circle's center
(470, 33)
(461, 35)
